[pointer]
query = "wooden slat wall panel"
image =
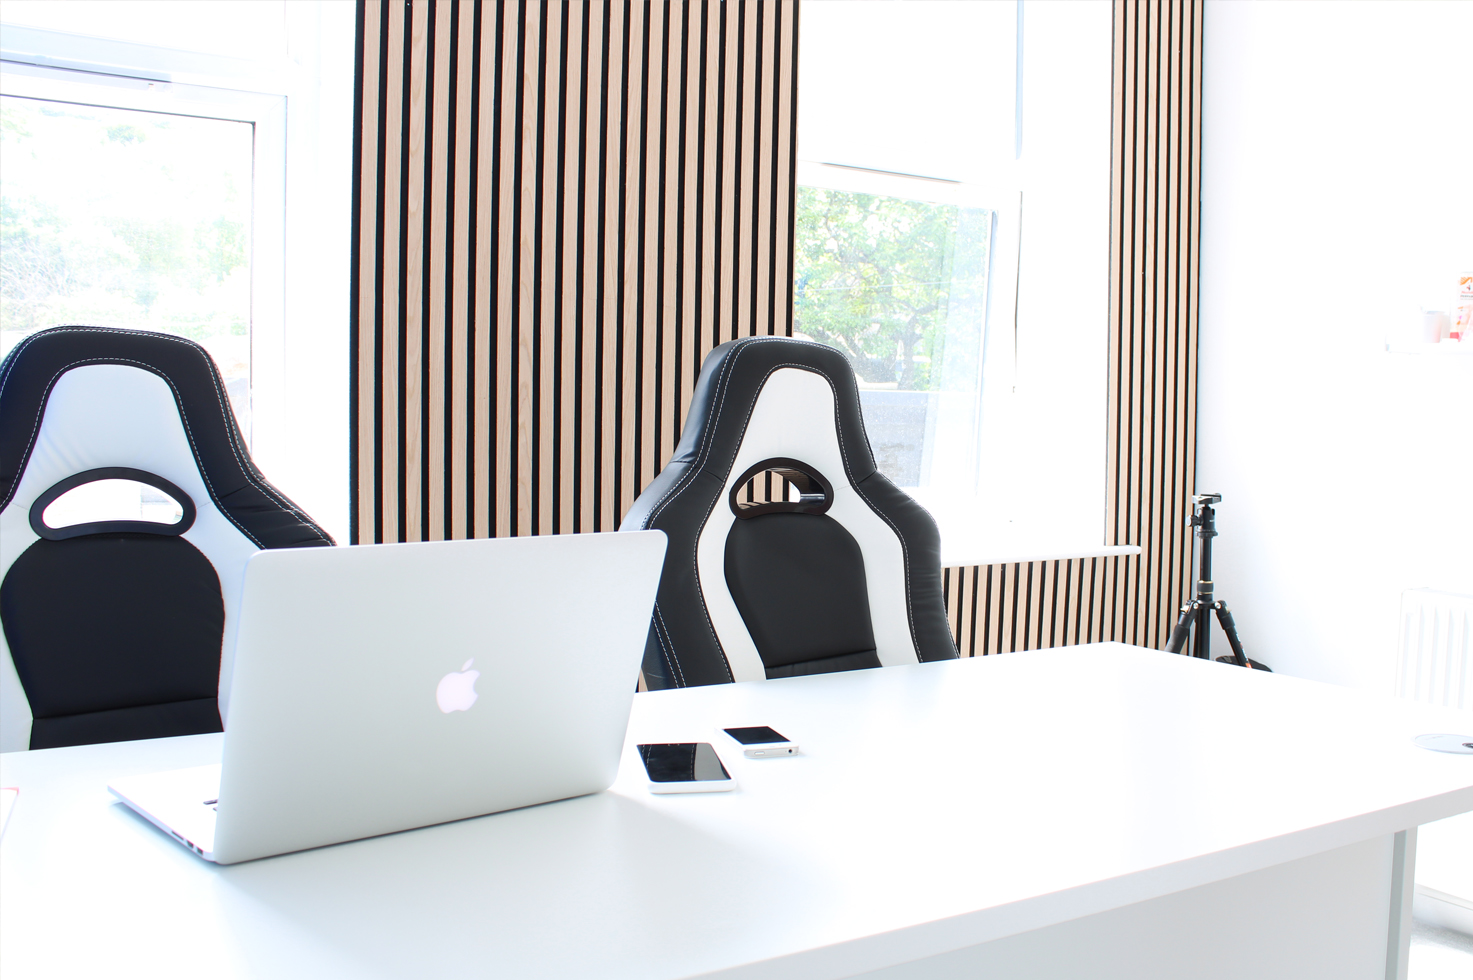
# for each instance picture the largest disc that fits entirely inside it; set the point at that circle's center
(1032, 605)
(560, 208)
(1156, 185)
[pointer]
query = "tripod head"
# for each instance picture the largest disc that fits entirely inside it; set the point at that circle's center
(1202, 512)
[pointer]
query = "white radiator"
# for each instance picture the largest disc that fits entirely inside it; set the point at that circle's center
(1434, 649)
(1434, 663)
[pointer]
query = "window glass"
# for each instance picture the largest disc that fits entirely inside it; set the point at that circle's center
(900, 286)
(905, 143)
(130, 219)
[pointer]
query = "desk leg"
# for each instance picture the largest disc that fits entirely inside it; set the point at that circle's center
(1403, 887)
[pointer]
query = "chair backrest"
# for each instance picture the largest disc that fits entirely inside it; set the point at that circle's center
(116, 629)
(847, 575)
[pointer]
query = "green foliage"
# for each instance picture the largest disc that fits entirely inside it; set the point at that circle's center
(872, 277)
(126, 134)
(13, 124)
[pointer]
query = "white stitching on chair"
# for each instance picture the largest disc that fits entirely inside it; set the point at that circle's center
(666, 650)
(707, 437)
(230, 431)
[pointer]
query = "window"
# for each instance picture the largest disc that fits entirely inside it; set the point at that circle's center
(186, 167)
(952, 240)
(900, 286)
(901, 187)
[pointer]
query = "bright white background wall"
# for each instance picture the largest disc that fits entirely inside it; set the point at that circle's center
(1337, 200)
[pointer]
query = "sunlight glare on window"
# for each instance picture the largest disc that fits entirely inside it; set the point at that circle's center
(128, 219)
(900, 286)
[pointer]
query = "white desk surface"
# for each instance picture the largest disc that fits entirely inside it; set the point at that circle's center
(933, 807)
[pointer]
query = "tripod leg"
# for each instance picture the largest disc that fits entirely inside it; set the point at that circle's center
(1183, 627)
(1202, 634)
(1226, 619)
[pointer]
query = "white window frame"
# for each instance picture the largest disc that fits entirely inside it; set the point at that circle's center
(266, 114)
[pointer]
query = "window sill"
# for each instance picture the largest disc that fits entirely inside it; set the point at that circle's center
(1448, 348)
(984, 531)
(983, 550)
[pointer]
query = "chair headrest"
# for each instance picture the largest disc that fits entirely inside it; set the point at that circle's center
(31, 372)
(726, 393)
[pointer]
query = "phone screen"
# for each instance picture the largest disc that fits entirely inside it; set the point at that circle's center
(755, 736)
(682, 762)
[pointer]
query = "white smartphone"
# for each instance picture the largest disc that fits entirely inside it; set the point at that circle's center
(762, 742)
(685, 767)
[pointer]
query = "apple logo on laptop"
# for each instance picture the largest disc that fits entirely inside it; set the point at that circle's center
(457, 690)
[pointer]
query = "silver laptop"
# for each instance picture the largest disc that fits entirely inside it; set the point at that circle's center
(380, 688)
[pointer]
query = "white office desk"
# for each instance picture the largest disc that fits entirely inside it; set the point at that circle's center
(1052, 798)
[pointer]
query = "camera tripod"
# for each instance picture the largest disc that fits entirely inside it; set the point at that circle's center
(1199, 611)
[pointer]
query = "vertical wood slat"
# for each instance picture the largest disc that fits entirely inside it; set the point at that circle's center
(559, 210)
(1151, 458)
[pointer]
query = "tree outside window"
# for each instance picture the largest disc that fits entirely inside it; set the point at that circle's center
(899, 286)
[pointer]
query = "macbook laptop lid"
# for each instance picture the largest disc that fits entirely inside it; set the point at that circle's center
(379, 688)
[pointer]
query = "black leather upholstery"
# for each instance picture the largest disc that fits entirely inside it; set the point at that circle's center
(802, 576)
(798, 581)
(116, 628)
(113, 635)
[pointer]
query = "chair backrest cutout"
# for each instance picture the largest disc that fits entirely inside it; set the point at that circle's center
(73, 507)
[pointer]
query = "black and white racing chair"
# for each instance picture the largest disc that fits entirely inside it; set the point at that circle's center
(114, 629)
(847, 576)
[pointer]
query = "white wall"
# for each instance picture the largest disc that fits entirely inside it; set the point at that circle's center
(1337, 197)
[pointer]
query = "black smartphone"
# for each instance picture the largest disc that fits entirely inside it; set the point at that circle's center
(684, 767)
(761, 742)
